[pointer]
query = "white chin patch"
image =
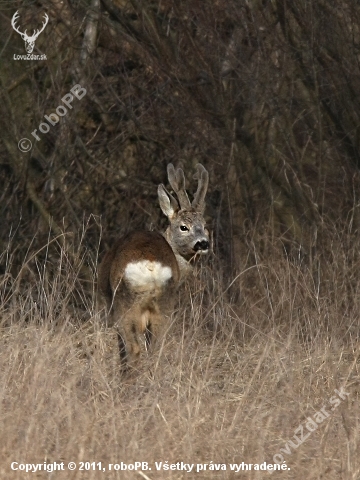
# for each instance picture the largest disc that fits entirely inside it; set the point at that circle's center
(201, 252)
(146, 275)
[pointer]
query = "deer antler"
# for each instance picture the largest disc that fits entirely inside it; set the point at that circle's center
(13, 23)
(36, 34)
(24, 34)
(203, 181)
(177, 182)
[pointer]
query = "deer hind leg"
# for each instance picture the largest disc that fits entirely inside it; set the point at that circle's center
(159, 318)
(113, 314)
(154, 330)
(155, 326)
(125, 318)
(130, 332)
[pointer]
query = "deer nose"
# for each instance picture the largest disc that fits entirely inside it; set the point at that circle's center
(201, 245)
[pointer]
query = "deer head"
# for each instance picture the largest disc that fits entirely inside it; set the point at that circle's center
(29, 41)
(186, 233)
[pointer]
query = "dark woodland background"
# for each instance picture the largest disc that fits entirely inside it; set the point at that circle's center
(265, 94)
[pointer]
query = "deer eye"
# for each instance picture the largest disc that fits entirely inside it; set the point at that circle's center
(184, 228)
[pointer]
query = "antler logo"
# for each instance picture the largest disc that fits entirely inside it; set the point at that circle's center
(29, 41)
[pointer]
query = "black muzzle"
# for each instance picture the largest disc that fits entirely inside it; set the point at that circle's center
(201, 245)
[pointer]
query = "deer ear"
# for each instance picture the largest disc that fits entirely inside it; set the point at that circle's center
(168, 204)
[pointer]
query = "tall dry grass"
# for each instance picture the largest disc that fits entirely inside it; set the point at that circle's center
(244, 362)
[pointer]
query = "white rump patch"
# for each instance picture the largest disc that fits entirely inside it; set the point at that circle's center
(147, 275)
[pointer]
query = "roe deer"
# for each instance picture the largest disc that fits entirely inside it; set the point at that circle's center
(140, 274)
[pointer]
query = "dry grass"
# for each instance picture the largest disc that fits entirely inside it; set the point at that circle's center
(231, 382)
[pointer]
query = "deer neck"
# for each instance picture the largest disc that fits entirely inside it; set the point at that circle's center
(184, 265)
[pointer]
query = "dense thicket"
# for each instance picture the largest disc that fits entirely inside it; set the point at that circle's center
(266, 94)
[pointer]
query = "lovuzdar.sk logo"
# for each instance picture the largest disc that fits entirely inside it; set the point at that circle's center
(29, 40)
